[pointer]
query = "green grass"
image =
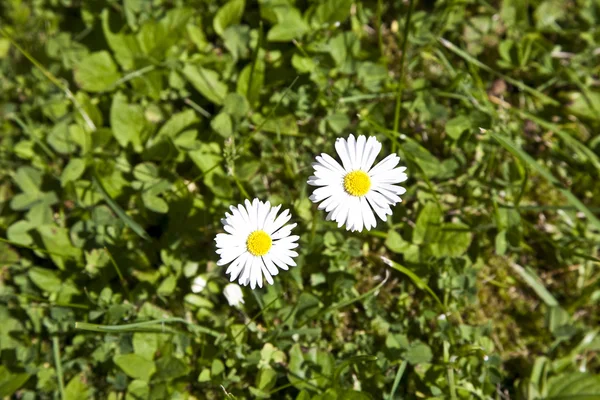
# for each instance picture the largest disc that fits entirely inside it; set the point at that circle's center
(129, 128)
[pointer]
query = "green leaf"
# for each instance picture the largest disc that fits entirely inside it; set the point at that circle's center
(145, 344)
(222, 124)
(170, 367)
(331, 11)
(135, 366)
(11, 382)
(57, 242)
(229, 14)
(137, 390)
(266, 379)
(456, 126)
(453, 241)
(573, 386)
(207, 82)
(291, 26)
(128, 122)
(47, 280)
(97, 72)
(73, 171)
(28, 179)
(177, 123)
(77, 388)
(419, 353)
(250, 82)
(125, 47)
(427, 228)
(167, 286)
(18, 232)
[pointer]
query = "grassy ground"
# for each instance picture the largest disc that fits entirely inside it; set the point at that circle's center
(129, 127)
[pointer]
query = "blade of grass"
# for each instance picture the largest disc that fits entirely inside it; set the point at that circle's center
(564, 135)
(399, 374)
(401, 72)
(413, 277)
(137, 228)
(472, 60)
(121, 278)
(534, 282)
(58, 364)
(84, 326)
(527, 159)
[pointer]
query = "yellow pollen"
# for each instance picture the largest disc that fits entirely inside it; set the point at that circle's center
(259, 243)
(357, 183)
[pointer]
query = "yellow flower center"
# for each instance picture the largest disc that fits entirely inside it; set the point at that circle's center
(357, 183)
(259, 243)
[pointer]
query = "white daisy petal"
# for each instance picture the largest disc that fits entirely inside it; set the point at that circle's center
(341, 148)
(257, 244)
(351, 149)
(354, 194)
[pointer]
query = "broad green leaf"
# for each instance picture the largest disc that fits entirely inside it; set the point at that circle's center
(418, 353)
(229, 14)
(97, 72)
(266, 379)
(73, 171)
(207, 82)
(222, 125)
(146, 172)
(28, 179)
(77, 388)
(125, 47)
(291, 26)
(19, 232)
(46, 279)
(235, 105)
(331, 11)
(250, 82)
(456, 126)
(135, 366)
(428, 226)
(145, 344)
(170, 367)
(137, 390)
(11, 382)
(57, 242)
(177, 123)
(453, 241)
(128, 122)
(573, 386)
(236, 39)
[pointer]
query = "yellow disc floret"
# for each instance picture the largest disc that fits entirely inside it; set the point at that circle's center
(259, 243)
(357, 183)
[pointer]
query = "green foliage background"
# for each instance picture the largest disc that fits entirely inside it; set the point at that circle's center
(129, 127)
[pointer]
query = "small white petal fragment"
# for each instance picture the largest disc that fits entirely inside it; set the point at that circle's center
(233, 294)
(257, 243)
(198, 284)
(353, 192)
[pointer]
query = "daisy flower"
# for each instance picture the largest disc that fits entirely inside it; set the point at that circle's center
(233, 294)
(257, 242)
(350, 192)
